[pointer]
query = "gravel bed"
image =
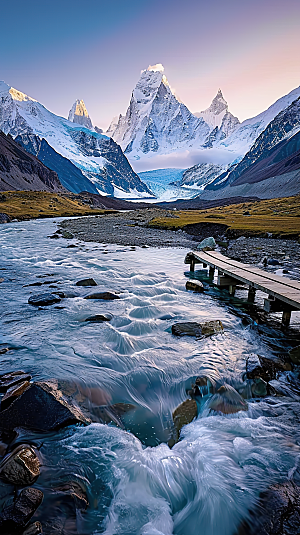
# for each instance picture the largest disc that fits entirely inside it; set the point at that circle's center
(261, 251)
(127, 228)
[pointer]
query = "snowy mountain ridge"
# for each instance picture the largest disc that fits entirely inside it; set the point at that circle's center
(98, 157)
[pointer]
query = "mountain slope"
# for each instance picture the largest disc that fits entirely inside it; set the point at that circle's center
(271, 167)
(98, 157)
(22, 171)
(70, 176)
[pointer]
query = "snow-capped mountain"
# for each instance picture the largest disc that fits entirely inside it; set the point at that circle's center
(79, 114)
(99, 158)
(156, 121)
(158, 124)
(219, 116)
(271, 168)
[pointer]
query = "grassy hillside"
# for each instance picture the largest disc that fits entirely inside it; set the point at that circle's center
(278, 216)
(24, 205)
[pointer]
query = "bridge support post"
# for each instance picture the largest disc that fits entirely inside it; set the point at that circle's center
(211, 272)
(231, 290)
(286, 318)
(251, 294)
(192, 264)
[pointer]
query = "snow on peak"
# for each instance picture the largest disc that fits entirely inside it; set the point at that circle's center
(79, 114)
(156, 68)
(15, 94)
(218, 104)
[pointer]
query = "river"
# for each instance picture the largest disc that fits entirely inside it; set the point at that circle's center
(135, 483)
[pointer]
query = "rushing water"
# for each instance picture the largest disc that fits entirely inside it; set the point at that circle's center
(135, 483)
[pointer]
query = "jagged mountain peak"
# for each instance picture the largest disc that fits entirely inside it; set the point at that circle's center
(218, 115)
(79, 114)
(218, 104)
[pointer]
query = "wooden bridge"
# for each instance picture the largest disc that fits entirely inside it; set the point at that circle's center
(283, 293)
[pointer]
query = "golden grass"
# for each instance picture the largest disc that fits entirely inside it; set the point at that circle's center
(278, 216)
(23, 205)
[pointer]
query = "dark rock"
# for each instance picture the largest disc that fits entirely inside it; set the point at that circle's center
(277, 513)
(21, 467)
(12, 393)
(273, 262)
(44, 299)
(3, 350)
(86, 282)
(227, 400)
(102, 295)
(67, 235)
(16, 516)
(184, 414)
(41, 407)
(259, 388)
(71, 246)
(4, 218)
(99, 318)
(10, 380)
(33, 529)
(195, 286)
(265, 368)
(77, 492)
(54, 237)
(191, 328)
(295, 355)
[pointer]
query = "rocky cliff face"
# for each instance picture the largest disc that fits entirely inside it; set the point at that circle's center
(200, 175)
(272, 145)
(22, 171)
(79, 114)
(98, 158)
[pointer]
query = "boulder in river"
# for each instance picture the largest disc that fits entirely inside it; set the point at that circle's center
(192, 328)
(43, 299)
(259, 388)
(207, 244)
(9, 380)
(227, 400)
(16, 516)
(86, 282)
(265, 368)
(107, 296)
(42, 407)
(277, 512)
(184, 414)
(13, 393)
(99, 318)
(21, 467)
(195, 286)
(4, 218)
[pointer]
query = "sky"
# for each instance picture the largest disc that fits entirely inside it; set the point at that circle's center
(94, 50)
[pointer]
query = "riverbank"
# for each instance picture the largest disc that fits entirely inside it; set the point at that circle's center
(135, 229)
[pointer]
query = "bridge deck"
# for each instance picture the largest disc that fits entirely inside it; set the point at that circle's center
(280, 288)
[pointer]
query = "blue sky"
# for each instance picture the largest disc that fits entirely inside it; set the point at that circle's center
(62, 50)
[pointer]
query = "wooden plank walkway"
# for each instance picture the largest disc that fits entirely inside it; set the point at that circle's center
(231, 273)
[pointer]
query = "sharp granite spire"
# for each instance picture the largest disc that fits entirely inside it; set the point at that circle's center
(79, 114)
